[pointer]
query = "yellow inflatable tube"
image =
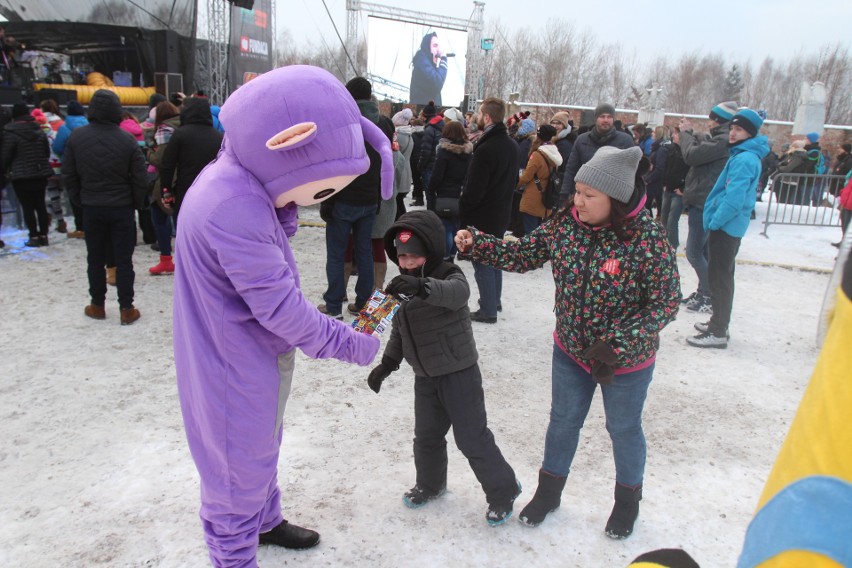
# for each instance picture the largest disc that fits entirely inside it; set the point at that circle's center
(129, 96)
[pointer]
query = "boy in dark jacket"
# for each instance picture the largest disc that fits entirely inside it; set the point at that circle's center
(432, 331)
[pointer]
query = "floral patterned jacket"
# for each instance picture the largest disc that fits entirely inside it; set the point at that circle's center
(621, 292)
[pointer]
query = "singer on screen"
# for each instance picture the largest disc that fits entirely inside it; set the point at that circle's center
(429, 71)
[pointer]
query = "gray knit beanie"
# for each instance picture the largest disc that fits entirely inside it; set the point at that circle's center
(611, 171)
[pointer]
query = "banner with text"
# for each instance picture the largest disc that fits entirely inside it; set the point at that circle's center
(251, 43)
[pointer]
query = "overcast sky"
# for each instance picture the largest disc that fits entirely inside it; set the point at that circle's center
(737, 29)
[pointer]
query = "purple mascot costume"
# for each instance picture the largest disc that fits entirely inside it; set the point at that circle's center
(294, 136)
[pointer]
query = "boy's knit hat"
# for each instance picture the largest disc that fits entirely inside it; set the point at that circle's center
(723, 112)
(813, 137)
(748, 120)
(612, 171)
(406, 242)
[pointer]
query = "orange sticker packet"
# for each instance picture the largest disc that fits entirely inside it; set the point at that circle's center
(376, 316)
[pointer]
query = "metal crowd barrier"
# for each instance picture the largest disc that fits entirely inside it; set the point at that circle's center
(803, 199)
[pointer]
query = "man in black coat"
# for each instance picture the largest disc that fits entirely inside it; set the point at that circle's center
(351, 213)
(104, 171)
(486, 202)
(603, 134)
(193, 145)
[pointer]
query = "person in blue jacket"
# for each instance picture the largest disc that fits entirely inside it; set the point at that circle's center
(429, 71)
(726, 217)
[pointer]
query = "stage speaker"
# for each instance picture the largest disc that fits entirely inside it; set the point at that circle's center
(168, 83)
(247, 4)
(61, 96)
(21, 77)
(11, 95)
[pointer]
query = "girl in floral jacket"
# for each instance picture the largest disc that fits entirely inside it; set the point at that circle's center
(617, 287)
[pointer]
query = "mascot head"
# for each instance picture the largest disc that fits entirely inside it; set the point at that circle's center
(300, 133)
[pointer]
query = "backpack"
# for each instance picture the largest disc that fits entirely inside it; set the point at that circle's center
(549, 194)
(816, 159)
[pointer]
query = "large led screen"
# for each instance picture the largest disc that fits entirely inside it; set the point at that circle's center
(416, 63)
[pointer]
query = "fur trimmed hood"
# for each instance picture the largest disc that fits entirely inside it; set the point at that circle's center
(466, 148)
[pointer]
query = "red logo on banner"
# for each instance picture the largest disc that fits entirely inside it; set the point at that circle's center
(244, 44)
(260, 19)
(611, 266)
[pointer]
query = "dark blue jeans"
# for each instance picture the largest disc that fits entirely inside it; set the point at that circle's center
(671, 211)
(624, 400)
(451, 227)
(490, 283)
(163, 229)
(696, 248)
(356, 220)
(110, 227)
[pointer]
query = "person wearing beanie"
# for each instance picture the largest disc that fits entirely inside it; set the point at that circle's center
(452, 162)
(240, 313)
(726, 217)
(723, 112)
(486, 202)
(25, 158)
(428, 71)
(705, 156)
(429, 110)
(543, 163)
(402, 118)
(453, 114)
(403, 174)
(605, 239)
(350, 216)
(433, 318)
(601, 135)
(813, 189)
(842, 166)
(524, 136)
(563, 124)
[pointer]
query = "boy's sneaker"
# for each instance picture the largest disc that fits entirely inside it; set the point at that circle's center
(417, 496)
(499, 513)
(704, 327)
(323, 309)
(708, 339)
(687, 299)
(700, 305)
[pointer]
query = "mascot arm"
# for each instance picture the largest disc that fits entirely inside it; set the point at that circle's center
(243, 235)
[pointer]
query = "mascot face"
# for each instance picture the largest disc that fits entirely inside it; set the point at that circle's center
(299, 132)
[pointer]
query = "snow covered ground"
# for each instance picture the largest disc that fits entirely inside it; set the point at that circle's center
(95, 471)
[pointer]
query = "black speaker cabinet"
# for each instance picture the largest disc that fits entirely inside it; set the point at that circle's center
(168, 83)
(11, 95)
(61, 96)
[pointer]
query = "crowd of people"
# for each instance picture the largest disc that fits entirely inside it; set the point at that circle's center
(479, 184)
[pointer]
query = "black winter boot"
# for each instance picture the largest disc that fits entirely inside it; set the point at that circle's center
(624, 512)
(289, 535)
(547, 498)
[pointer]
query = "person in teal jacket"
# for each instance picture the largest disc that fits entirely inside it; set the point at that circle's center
(726, 217)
